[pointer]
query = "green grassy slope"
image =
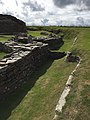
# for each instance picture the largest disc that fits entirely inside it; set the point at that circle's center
(4, 38)
(78, 102)
(36, 100)
(2, 54)
(36, 33)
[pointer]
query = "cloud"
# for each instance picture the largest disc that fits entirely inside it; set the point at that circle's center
(64, 3)
(16, 2)
(8, 12)
(49, 12)
(25, 13)
(33, 5)
(1, 2)
(80, 21)
(87, 2)
(45, 21)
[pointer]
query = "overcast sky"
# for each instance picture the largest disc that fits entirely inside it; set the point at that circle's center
(49, 12)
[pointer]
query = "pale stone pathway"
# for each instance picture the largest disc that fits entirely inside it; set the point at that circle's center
(66, 91)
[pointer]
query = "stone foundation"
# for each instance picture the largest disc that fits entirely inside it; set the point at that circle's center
(23, 59)
(53, 42)
(18, 66)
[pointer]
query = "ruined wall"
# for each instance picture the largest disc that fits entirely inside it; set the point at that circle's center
(24, 59)
(10, 25)
(5, 48)
(17, 68)
(54, 43)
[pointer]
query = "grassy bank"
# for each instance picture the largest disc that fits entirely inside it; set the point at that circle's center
(2, 54)
(37, 99)
(36, 33)
(4, 38)
(78, 102)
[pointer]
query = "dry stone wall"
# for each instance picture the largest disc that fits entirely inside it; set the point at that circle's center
(5, 48)
(53, 42)
(23, 59)
(20, 65)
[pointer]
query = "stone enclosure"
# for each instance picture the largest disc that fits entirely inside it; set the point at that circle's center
(16, 67)
(25, 55)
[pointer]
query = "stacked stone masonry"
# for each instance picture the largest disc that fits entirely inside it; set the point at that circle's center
(19, 65)
(53, 42)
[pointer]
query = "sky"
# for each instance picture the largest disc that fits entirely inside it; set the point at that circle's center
(49, 12)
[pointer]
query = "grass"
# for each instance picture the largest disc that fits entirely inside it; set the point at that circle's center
(2, 54)
(78, 101)
(5, 38)
(36, 33)
(36, 100)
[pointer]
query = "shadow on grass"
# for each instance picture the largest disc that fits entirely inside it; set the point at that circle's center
(14, 99)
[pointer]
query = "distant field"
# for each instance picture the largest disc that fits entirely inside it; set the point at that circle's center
(36, 33)
(4, 38)
(37, 99)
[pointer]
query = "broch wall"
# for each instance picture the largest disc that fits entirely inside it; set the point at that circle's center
(19, 65)
(11, 25)
(26, 54)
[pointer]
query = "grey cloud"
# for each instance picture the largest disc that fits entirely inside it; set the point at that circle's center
(33, 5)
(64, 3)
(25, 13)
(87, 3)
(1, 2)
(16, 2)
(51, 13)
(59, 22)
(80, 21)
(44, 21)
(8, 12)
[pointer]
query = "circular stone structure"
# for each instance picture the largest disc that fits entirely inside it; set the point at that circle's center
(11, 25)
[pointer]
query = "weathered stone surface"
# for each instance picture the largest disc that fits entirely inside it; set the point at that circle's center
(11, 25)
(56, 55)
(72, 58)
(23, 59)
(53, 42)
(32, 29)
(44, 33)
(18, 66)
(56, 31)
(5, 48)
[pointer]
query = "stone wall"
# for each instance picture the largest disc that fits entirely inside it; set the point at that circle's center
(5, 48)
(53, 42)
(25, 55)
(56, 55)
(19, 66)
(11, 25)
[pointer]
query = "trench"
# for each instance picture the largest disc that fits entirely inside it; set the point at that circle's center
(62, 100)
